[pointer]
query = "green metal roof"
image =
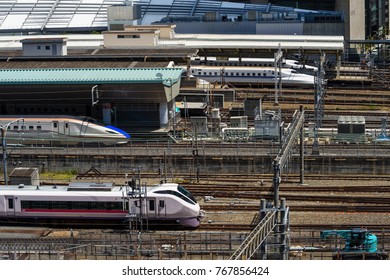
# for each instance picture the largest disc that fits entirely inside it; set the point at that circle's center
(90, 76)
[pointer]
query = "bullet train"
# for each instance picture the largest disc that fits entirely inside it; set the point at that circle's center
(98, 204)
(252, 62)
(247, 75)
(63, 129)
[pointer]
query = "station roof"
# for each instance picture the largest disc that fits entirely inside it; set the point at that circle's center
(92, 45)
(31, 62)
(90, 76)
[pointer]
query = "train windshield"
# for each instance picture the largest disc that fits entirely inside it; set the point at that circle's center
(186, 193)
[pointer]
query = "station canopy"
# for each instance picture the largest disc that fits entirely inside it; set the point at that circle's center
(166, 76)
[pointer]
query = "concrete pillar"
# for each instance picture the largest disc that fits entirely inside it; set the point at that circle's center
(163, 115)
(338, 65)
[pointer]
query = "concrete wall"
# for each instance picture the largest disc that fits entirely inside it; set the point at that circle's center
(325, 29)
(123, 39)
(290, 28)
(44, 49)
(164, 31)
(354, 21)
(219, 27)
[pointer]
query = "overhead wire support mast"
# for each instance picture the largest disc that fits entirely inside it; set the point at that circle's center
(292, 131)
(278, 74)
(319, 93)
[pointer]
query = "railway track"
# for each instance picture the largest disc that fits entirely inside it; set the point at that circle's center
(302, 208)
(226, 178)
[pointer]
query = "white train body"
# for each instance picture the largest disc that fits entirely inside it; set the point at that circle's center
(246, 75)
(251, 62)
(31, 128)
(83, 203)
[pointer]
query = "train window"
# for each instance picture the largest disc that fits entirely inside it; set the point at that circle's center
(36, 204)
(248, 74)
(151, 205)
(84, 205)
(253, 74)
(258, 74)
(61, 205)
(237, 74)
(177, 194)
(242, 74)
(264, 74)
(66, 125)
(39, 127)
(111, 132)
(186, 193)
(10, 203)
(31, 127)
(16, 127)
(23, 127)
(55, 124)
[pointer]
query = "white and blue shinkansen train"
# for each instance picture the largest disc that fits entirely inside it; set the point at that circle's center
(100, 204)
(247, 75)
(24, 129)
(251, 62)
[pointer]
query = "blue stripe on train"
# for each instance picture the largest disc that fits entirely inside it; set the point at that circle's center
(119, 131)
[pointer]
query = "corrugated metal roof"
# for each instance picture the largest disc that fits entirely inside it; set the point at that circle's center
(90, 76)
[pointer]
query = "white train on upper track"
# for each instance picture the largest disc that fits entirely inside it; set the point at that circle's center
(37, 129)
(250, 75)
(251, 62)
(84, 203)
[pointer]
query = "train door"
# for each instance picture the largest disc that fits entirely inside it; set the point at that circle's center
(161, 208)
(9, 206)
(151, 208)
(56, 128)
(66, 128)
